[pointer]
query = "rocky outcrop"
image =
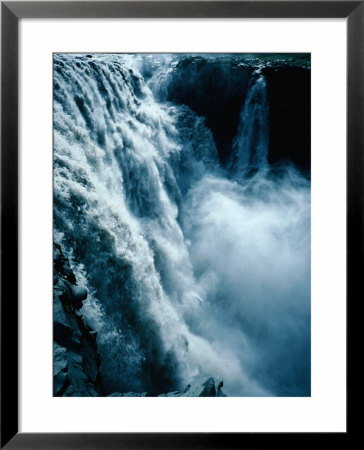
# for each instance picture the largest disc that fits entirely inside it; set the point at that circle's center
(76, 360)
(129, 394)
(207, 388)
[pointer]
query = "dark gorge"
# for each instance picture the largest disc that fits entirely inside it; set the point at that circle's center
(216, 89)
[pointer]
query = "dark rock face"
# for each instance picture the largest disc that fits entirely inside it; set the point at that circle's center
(289, 92)
(76, 359)
(214, 89)
(217, 89)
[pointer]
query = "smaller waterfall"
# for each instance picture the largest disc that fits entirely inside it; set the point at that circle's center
(250, 146)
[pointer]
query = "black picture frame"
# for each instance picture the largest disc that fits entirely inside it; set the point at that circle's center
(11, 12)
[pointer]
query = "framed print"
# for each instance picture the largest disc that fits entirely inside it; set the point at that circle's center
(183, 165)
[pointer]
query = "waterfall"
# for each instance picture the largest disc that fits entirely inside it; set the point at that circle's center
(250, 147)
(189, 273)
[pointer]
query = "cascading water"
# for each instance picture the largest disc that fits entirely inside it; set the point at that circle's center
(250, 147)
(190, 273)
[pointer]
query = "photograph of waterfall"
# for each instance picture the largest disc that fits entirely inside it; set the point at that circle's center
(182, 225)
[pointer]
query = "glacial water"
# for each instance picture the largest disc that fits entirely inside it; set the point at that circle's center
(195, 267)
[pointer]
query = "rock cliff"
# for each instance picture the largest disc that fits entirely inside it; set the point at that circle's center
(76, 360)
(208, 388)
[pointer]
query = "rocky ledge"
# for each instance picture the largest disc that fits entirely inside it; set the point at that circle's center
(207, 388)
(76, 361)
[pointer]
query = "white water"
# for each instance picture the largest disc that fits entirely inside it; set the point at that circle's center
(190, 273)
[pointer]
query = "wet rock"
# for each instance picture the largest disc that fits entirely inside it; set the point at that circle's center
(171, 394)
(205, 389)
(128, 394)
(208, 388)
(79, 294)
(187, 388)
(61, 265)
(76, 357)
(219, 392)
(60, 368)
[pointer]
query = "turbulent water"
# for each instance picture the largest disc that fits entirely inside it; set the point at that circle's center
(197, 264)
